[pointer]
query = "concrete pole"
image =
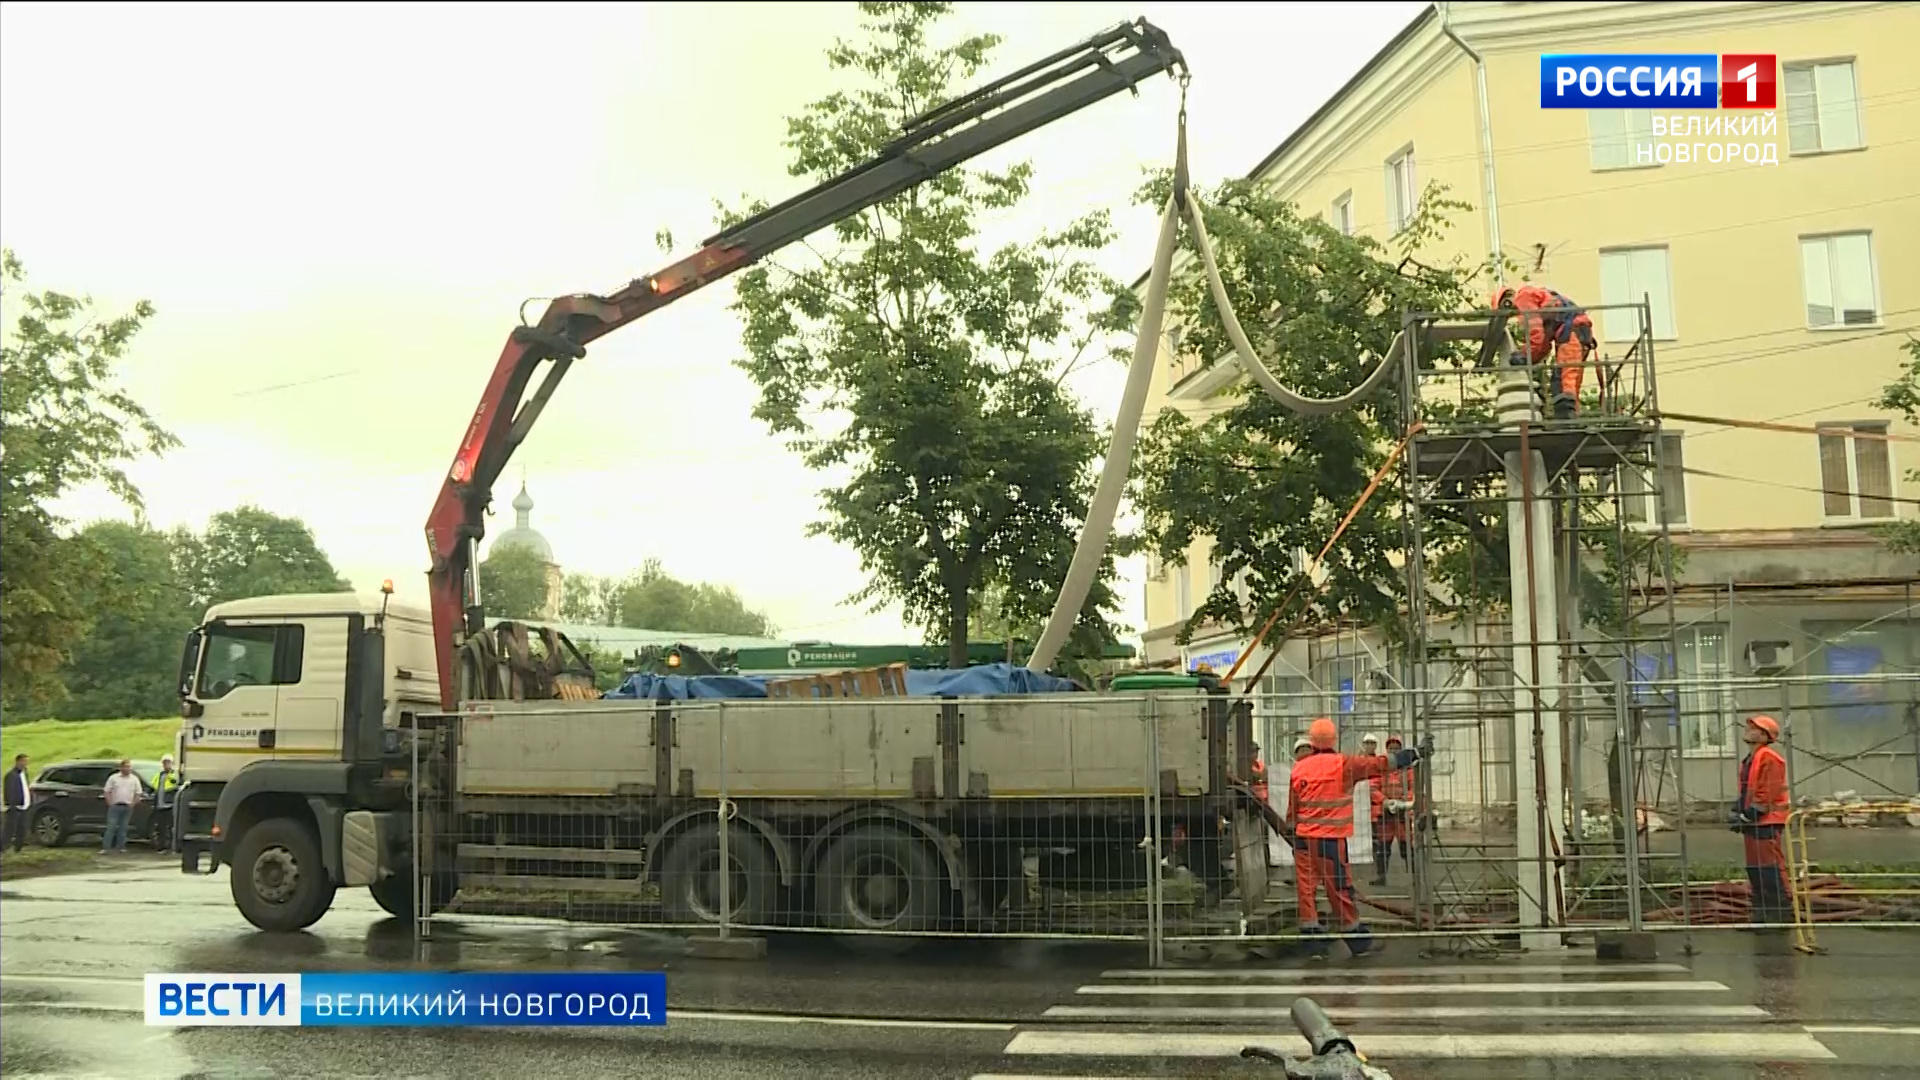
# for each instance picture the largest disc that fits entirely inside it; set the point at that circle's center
(1536, 716)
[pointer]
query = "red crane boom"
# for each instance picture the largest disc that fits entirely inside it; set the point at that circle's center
(1032, 97)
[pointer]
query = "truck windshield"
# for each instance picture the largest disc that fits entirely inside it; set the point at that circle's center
(236, 656)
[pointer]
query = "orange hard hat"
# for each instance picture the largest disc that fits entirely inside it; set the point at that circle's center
(1768, 726)
(1321, 734)
(1392, 739)
(1501, 295)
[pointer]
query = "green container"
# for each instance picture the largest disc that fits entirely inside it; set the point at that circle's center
(1126, 684)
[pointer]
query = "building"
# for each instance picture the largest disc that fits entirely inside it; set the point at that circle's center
(524, 535)
(1780, 292)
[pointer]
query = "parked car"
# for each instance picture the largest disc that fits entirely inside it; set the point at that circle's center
(70, 797)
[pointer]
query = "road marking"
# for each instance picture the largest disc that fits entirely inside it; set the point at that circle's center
(73, 1006)
(1860, 1029)
(1423, 988)
(1342, 1014)
(1503, 970)
(841, 1021)
(1751, 1046)
(84, 980)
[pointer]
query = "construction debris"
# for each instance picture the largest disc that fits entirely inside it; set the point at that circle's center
(1847, 809)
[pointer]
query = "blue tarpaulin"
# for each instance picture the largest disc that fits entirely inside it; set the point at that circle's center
(987, 680)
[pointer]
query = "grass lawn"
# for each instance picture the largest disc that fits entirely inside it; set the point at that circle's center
(31, 862)
(48, 741)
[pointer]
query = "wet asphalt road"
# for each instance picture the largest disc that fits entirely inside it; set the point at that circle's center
(73, 950)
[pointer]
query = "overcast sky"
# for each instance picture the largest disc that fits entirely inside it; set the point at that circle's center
(338, 210)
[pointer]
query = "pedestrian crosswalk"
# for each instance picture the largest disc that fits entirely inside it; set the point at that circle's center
(1534, 1009)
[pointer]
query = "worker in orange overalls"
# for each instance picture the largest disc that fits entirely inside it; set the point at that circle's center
(1567, 337)
(1392, 803)
(1759, 817)
(1321, 798)
(1259, 779)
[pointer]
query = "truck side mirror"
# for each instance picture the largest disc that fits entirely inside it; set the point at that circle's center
(189, 662)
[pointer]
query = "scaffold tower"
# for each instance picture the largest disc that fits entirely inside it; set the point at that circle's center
(1541, 606)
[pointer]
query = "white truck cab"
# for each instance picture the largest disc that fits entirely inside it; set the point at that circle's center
(292, 709)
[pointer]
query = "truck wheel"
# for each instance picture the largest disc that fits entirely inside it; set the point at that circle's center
(394, 893)
(876, 878)
(690, 878)
(279, 882)
(49, 828)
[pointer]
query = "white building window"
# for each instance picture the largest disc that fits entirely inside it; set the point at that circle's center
(1403, 195)
(1615, 136)
(1182, 592)
(1838, 274)
(1706, 699)
(1628, 276)
(1856, 474)
(1636, 503)
(1343, 214)
(1823, 108)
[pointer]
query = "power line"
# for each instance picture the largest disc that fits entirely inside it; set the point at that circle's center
(1785, 350)
(1889, 498)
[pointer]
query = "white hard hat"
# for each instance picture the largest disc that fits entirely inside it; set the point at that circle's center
(1301, 743)
(1370, 738)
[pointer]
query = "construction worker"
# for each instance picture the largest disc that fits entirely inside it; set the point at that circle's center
(1376, 795)
(1259, 778)
(1321, 803)
(1566, 336)
(1392, 803)
(1759, 817)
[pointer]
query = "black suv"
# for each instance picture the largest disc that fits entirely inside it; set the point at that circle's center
(70, 797)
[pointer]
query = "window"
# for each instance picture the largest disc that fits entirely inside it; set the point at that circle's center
(1838, 273)
(1856, 474)
(1628, 276)
(1182, 592)
(1706, 699)
(1823, 108)
(1636, 501)
(1402, 195)
(1616, 137)
(1343, 214)
(239, 656)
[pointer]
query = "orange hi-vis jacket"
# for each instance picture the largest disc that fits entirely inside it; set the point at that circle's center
(1397, 785)
(1763, 784)
(1546, 332)
(1259, 780)
(1322, 791)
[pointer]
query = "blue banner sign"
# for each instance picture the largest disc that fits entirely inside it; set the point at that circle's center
(408, 999)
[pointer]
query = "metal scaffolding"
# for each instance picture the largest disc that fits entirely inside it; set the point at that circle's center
(1520, 518)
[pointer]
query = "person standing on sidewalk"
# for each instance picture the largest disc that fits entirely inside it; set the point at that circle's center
(19, 803)
(165, 786)
(1759, 817)
(1322, 789)
(122, 792)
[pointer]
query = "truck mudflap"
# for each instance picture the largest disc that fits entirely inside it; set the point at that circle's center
(195, 850)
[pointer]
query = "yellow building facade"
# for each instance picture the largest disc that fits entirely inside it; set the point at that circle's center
(1781, 290)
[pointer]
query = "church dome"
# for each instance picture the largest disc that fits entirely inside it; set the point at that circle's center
(524, 534)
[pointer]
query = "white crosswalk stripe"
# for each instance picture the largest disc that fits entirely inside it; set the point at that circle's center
(1496, 1010)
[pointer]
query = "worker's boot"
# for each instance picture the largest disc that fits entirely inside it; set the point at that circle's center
(1359, 939)
(1382, 854)
(1316, 942)
(1563, 406)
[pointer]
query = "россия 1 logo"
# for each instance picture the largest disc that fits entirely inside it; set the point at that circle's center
(1658, 81)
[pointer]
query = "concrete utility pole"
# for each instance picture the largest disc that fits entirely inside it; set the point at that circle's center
(1538, 799)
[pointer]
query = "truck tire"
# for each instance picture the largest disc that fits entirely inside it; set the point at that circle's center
(690, 883)
(278, 879)
(878, 878)
(394, 893)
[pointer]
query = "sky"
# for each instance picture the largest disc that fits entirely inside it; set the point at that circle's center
(338, 210)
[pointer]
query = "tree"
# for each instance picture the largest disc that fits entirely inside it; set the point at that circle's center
(932, 372)
(63, 425)
(128, 663)
(588, 599)
(1902, 395)
(513, 583)
(1260, 480)
(656, 600)
(249, 552)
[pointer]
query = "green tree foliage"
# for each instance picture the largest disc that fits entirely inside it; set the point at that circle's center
(128, 663)
(1902, 395)
(1321, 308)
(248, 552)
(513, 583)
(929, 370)
(652, 599)
(64, 424)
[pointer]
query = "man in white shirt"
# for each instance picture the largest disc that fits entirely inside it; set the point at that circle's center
(123, 790)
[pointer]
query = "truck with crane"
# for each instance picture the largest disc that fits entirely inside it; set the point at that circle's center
(344, 740)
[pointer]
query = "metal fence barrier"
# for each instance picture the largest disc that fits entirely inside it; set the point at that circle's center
(1106, 817)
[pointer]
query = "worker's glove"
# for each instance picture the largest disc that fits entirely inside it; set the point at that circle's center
(1750, 813)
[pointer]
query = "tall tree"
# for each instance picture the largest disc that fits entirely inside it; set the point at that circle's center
(513, 583)
(1263, 481)
(64, 424)
(128, 663)
(930, 370)
(1902, 395)
(656, 600)
(248, 552)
